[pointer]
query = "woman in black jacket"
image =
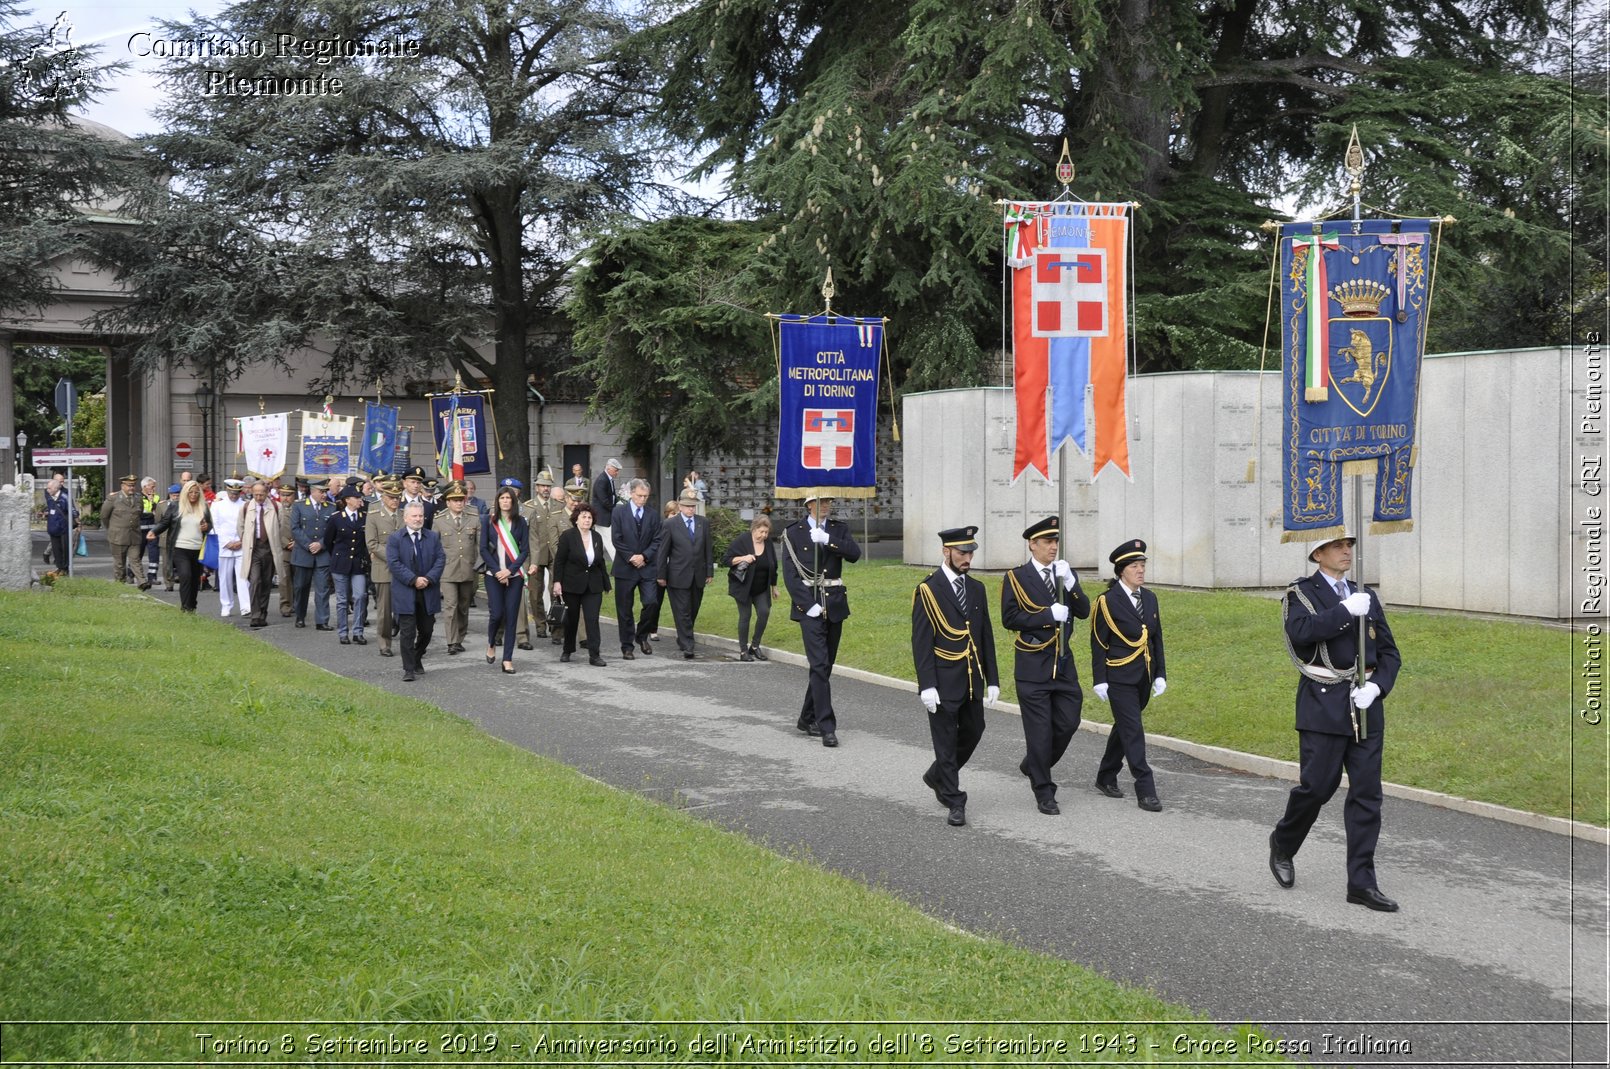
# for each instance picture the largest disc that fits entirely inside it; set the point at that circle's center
(751, 563)
(581, 577)
(505, 544)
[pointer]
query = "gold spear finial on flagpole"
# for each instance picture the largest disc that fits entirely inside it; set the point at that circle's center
(1354, 160)
(261, 408)
(1065, 167)
(828, 290)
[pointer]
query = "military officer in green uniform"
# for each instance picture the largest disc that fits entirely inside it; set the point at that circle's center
(120, 519)
(383, 521)
(548, 518)
(460, 528)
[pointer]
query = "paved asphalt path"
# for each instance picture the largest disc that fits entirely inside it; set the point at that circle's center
(1497, 957)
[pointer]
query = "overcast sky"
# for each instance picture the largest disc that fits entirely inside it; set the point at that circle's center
(131, 97)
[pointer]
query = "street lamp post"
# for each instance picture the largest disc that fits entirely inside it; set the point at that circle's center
(22, 443)
(204, 400)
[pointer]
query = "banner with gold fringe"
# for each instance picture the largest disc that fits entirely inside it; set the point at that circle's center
(1354, 300)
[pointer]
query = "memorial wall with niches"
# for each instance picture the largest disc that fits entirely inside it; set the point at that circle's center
(745, 479)
(1491, 493)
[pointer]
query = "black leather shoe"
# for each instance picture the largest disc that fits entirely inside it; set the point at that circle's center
(386, 652)
(746, 656)
(259, 623)
(1150, 804)
(808, 728)
(627, 654)
(1374, 899)
(145, 585)
(643, 645)
(1280, 864)
(408, 677)
(359, 640)
(928, 781)
(564, 656)
(1050, 808)
(829, 739)
(1109, 789)
(525, 646)
(301, 623)
(323, 627)
(958, 816)
(596, 661)
(1023, 767)
(345, 641)
(454, 650)
(758, 654)
(687, 655)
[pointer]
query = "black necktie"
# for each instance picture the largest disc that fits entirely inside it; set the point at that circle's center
(961, 594)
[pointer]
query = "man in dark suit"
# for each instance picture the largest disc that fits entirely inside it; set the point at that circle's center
(953, 647)
(1039, 600)
(815, 550)
(1339, 723)
(637, 534)
(1126, 665)
(310, 557)
(415, 558)
(606, 495)
(686, 564)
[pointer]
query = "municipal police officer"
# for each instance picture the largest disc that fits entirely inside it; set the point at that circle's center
(953, 648)
(1126, 666)
(1039, 600)
(1339, 723)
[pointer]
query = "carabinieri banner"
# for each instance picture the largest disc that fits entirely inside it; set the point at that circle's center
(1353, 304)
(828, 376)
(379, 438)
(469, 451)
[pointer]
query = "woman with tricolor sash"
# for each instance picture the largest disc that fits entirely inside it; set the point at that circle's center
(505, 543)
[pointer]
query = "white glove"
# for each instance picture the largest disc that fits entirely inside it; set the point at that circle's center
(1158, 686)
(1364, 697)
(1101, 691)
(990, 694)
(819, 535)
(1065, 572)
(930, 699)
(1059, 612)
(814, 610)
(1358, 604)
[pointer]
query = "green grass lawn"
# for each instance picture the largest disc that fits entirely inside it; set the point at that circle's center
(197, 826)
(1481, 708)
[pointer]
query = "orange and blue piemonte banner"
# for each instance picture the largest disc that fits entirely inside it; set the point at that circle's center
(828, 384)
(1353, 305)
(1070, 334)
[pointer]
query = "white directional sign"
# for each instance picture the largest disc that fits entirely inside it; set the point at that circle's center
(69, 458)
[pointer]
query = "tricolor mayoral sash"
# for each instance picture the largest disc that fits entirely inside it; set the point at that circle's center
(1352, 327)
(828, 392)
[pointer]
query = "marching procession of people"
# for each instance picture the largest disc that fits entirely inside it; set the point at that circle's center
(415, 551)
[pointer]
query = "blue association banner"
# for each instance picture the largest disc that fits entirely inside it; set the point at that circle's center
(1353, 304)
(827, 437)
(471, 445)
(379, 438)
(326, 445)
